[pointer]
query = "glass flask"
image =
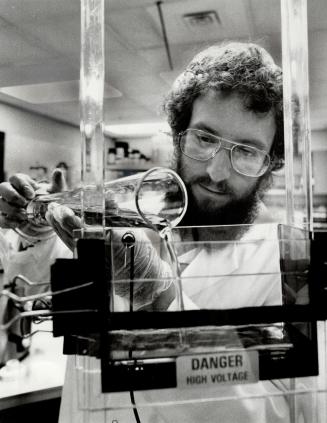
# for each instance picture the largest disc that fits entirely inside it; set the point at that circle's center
(156, 198)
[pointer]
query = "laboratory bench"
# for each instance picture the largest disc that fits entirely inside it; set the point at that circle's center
(32, 387)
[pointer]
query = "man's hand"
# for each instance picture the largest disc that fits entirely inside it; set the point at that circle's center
(64, 221)
(15, 195)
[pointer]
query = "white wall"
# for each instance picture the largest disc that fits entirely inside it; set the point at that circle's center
(32, 139)
(319, 160)
(319, 140)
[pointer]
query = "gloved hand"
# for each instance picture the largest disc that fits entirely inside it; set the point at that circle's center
(64, 221)
(152, 284)
(15, 195)
(152, 276)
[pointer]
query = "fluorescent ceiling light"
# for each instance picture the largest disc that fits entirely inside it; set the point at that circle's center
(53, 92)
(136, 129)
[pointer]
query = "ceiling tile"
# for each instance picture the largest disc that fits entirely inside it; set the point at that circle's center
(266, 16)
(232, 14)
(23, 11)
(17, 48)
(118, 111)
(135, 28)
(49, 70)
(317, 14)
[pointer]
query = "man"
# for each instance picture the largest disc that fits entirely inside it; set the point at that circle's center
(225, 111)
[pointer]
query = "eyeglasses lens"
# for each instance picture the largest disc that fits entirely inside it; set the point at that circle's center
(246, 160)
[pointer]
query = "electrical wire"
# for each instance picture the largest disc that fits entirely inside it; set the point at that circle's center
(24, 299)
(130, 244)
(164, 34)
(29, 335)
(27, 281)
(41, 314)
(5, 326)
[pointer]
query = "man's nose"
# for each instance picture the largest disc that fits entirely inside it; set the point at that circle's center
(219, 167)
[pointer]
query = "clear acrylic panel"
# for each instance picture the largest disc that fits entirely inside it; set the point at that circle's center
(217, 363)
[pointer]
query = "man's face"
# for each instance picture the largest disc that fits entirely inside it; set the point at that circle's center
(217, 193)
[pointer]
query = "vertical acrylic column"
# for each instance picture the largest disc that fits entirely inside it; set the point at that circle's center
(92, 72)
(296, 112)
(299, 196)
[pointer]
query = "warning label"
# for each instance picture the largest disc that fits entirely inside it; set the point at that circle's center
(232, 367)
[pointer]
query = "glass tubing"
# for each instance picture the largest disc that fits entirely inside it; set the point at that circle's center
(296, 107)
(92, 76)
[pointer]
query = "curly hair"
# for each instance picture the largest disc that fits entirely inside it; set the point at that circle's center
(243, 68)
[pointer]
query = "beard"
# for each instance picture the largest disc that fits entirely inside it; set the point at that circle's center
(233, 218)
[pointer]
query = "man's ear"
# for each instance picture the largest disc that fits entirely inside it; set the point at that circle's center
(277, 164)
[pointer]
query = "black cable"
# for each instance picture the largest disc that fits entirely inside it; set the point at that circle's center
(131, 294)
(164, 34)
(129, 241)
(131, 279)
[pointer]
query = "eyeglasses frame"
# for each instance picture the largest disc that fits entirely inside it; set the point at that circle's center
(219, 146)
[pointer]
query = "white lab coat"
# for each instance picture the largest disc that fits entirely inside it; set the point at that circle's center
(33, 259)
(241, 274)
